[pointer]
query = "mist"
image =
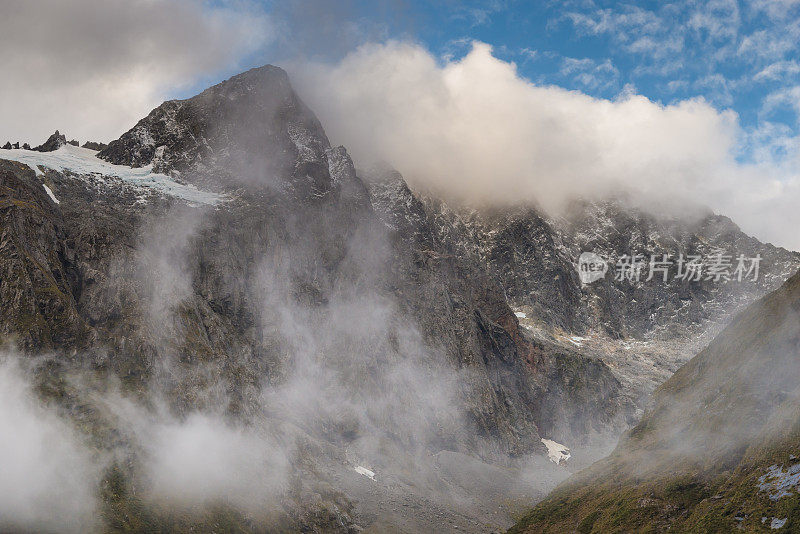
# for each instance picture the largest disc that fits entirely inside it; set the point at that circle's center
(49, 475)
(353, 384)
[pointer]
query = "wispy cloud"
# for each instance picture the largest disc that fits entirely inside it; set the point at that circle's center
(589, 73)
(480, 12)
(778, 70)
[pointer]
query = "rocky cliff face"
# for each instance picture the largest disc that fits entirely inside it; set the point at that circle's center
(536, 259)
(251, 130)
(573, 393)
(38, 271)
(643, 329)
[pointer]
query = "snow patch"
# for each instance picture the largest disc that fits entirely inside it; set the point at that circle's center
(366, 472)
(577, 340)
(521, 315)
(780, 483)
(82, 161)
(557, 452)
(50, 194)
(777, 523)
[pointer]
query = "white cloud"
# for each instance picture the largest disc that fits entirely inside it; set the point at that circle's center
(787, 97)
(770, 45)
(775, 9)
(719, 19)
(778, 70)
(479, 14)
(528, 54)
(636, 30)
(474, 127)
(92, 69)
(589, 73)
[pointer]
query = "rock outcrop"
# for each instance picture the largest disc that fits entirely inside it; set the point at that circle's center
(53, 143)
(94, 145)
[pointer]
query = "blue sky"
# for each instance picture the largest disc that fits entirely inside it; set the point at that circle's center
(739, 55)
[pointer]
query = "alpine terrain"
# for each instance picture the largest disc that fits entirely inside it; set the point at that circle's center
(233, 329)
(719, 451)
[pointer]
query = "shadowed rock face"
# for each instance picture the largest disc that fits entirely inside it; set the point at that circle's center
(571, 395)
(38, 274)
(300, 190)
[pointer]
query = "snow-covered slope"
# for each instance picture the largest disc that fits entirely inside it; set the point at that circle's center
(83, 162)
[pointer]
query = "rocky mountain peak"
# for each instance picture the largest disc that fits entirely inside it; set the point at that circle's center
(251, 129)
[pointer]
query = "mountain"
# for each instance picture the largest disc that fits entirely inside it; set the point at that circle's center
(248, 334)
(719, 449)
(251, 130)
(223, 261)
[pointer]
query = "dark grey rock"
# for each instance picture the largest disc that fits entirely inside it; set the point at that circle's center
(54, 142)
(94, 145)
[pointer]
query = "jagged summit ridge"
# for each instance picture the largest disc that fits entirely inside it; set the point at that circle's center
(53, 143)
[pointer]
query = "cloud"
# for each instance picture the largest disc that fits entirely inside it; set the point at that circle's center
(775, 9)
(590, 73)
(92, 69)
(717, 19)
(636, 30)
(475, 128)
(48, 477)
(778, 70)
(479, 13)
(763, 45)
